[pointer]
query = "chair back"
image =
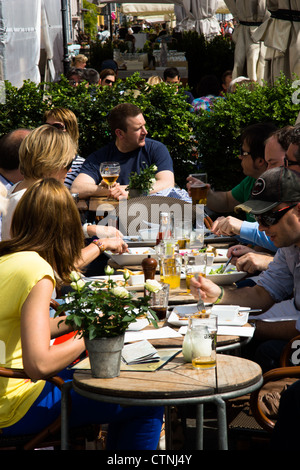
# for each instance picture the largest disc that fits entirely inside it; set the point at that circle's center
(136, 213)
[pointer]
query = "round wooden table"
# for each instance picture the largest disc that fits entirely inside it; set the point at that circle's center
(177, 383)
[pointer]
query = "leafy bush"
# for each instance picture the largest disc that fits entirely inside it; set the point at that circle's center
(214, 136)
(218, 132)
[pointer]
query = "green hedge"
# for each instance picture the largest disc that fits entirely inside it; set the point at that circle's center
(167, 115)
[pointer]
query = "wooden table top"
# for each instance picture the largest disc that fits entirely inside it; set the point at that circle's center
(110, 204)
(176, 379)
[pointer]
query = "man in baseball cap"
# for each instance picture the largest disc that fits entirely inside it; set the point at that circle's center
(275, 201)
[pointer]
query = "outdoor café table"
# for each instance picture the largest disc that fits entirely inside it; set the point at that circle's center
(177, 383)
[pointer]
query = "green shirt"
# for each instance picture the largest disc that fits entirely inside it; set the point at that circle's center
(242, 193)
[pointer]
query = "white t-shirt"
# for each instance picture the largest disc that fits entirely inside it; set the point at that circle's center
(13, 199)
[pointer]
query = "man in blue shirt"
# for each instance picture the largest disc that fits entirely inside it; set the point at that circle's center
(275, 201)
(132, 149)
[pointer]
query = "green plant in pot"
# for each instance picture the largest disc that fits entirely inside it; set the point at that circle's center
(100, 312)
(140, 184)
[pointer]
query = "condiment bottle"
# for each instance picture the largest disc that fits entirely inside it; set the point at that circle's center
(166, 226)
(149, 267)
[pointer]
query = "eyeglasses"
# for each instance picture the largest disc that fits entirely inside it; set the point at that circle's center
(58, 125)
(288, 162)
(243, 153)
(272, 218)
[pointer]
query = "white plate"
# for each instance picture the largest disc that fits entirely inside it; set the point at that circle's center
(134, 256)
(115, 277)
(182, 311)
(227, 278)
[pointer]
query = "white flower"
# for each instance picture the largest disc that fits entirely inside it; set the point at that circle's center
(152, 285)
(154, 167)
(75, 276)
(126, 275)
(120, 292)
(108, 270)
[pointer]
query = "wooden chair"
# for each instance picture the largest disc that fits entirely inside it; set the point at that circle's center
(49, 436)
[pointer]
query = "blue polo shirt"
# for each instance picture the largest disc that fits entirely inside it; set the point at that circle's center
(152, 152)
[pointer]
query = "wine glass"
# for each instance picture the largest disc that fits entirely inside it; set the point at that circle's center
(110, 172)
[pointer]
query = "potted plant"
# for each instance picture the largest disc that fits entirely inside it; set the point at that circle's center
(100, 312)
(140, 184)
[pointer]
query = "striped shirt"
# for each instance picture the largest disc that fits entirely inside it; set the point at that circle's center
(74, 171)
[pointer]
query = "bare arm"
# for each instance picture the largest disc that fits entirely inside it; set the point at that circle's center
(221, 201)
(86, 187)
(254, 297)
(40, 359)
(164, 180)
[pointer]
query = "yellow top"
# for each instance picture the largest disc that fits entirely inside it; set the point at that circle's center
(19, 273)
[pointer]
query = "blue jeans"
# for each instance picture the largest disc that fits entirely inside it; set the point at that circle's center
(130, 428)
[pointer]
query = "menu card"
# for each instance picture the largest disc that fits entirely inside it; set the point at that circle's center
(139, 353)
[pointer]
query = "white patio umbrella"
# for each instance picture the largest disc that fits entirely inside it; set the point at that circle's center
(280, 34)
(249, 56)
(200, 16)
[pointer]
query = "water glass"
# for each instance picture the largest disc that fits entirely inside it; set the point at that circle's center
(203, 331)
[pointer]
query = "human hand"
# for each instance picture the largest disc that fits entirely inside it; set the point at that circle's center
(253, 262)
(209, 290)
(192, 180)
(118, 191)
(116, 245)
(227, 226)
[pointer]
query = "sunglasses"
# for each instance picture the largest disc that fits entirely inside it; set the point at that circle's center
(288, 162)
(58, 125)
(272, 218)
(68, 167)
(108, 81)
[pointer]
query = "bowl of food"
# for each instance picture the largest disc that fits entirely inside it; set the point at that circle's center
(134, 256)
(232, 275)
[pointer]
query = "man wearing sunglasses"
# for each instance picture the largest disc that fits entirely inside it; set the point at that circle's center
(275, 202)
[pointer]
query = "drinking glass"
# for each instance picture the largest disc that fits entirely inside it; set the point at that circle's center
(109, 172)
(159, 301)
(199, 188)
(203, 331)
(171, 271)
(194, 266)
(182, 233)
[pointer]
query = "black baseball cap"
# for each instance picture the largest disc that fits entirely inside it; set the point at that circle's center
(272, 188)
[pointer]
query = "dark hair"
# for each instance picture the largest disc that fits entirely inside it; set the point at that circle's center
(74, 71)
(91, 76)
(118, 115)
(171, 72)
(255, 136)
(9, 148)
(104, 73)
(295, 139)
(284, 136)
(226, 74)
(208, 85)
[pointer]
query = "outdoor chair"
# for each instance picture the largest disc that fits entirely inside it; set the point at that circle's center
(145, 209)
(251, 418)
(50, 436)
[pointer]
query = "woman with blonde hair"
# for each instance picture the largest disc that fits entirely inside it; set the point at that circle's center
(79, 61)
(48, 152)
(45, 247)
(65, 120)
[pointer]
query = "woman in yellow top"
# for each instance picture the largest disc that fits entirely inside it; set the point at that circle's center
(45, 246)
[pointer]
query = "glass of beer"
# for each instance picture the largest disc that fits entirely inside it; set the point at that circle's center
(203, 329)
(109, 172)
(199, 188)
(159, 301)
